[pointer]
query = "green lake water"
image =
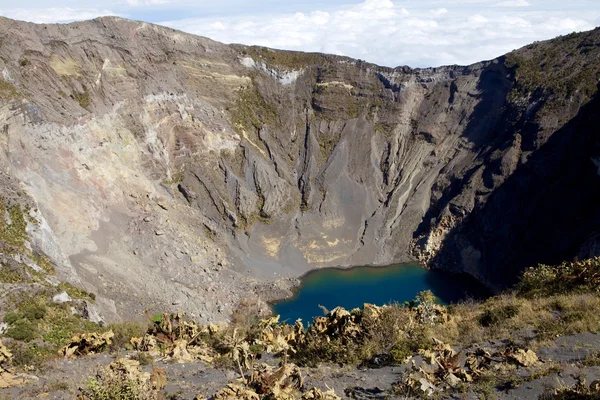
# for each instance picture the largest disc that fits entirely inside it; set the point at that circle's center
(350, 288)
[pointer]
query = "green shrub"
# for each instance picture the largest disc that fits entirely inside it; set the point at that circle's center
(124, 331)
(157, 318)
(143, 358)
(33, 311)
(76, 292)
(494, 316)
(22, 330)
(115, 387)
(30, 354)
(12, 231)
(11, 317)
(7, 91)
(568, 277)
(83, 99)
(405, 347)
(10, 275)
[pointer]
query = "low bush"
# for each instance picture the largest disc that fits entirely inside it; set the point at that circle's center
(124, 331)
(568, 277)
(495, 316)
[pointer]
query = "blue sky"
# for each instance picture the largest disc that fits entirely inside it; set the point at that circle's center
(418, 33)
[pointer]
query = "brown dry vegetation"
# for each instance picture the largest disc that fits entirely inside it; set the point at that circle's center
(549, 302)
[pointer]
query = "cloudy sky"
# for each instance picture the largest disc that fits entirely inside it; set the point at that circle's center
(418, 33)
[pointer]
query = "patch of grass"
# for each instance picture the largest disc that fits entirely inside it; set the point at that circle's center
(8, 91)
(556, 70)
(579, 391)
(23, 324)
(109, 384)
(176, 179)
(495, 316)
(12, 229)
(44, 263)
(10, 275)
(42, 325)
(568, 277)
(327, 145)
(545, 371)
(592, 359)
(60, 325)
(143, 358)
(83, 99)
(579, 313)
(409, 346)
(252, 111)
(22, 330)
(124, 331)
(384, 129)
(289, 60)
(33, 354)
(76, 292)
(58, 386)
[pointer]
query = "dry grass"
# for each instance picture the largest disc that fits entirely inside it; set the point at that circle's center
(550, 317)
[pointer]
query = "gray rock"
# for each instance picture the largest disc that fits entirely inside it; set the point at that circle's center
(62, 298)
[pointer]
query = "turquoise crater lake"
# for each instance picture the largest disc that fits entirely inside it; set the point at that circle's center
(350, 288)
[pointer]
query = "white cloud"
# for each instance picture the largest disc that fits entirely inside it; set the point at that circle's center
(415, 34)
(54, 14)
(387, 32)
(513, 3)
(440, 11)
(136, 3)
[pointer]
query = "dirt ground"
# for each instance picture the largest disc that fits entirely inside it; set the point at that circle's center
(62, 379)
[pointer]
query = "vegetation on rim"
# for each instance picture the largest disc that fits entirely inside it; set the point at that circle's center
(554, 72)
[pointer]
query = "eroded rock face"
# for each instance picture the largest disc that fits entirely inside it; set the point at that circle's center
(174, 171)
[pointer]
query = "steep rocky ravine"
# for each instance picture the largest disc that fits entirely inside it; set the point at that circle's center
(171, 170)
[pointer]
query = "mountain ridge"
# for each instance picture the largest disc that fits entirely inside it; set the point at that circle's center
(173, 170)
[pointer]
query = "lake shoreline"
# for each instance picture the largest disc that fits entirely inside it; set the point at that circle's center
(340, 286)
(296, 282)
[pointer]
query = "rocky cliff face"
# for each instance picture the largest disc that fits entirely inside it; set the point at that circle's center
(168, 169)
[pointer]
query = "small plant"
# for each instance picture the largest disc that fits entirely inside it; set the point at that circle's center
(495, 316)
(58, 386)
(12, 230)
(76, 292)
(568, 277)
(143, 358)
(83, 99)
(23, 330)
(124, 331)
(31, 354)
(7, 91)
(419, 339)
(121, 380)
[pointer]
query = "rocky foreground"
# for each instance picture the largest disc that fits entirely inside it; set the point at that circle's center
(538, 340)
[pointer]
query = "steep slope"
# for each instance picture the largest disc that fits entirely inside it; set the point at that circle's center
(177, 170)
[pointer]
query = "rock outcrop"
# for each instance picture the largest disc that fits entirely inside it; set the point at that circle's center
(169, 169)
